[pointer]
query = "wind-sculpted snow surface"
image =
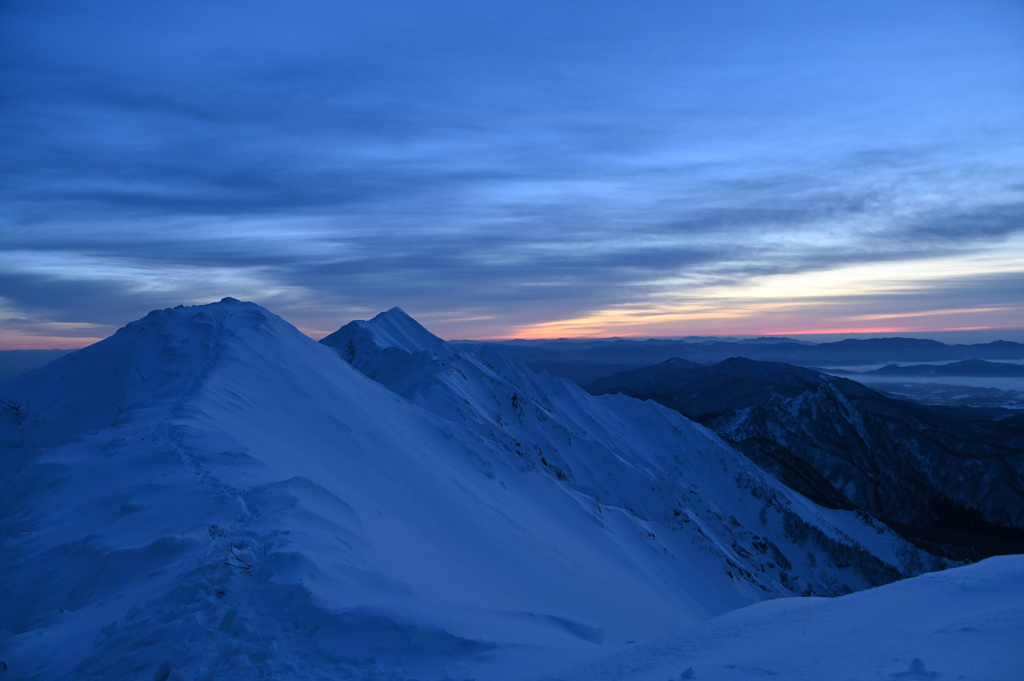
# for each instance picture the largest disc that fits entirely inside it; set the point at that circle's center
(210, 494)
(966, 623)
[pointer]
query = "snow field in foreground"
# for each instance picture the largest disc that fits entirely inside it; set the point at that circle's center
(965, 623)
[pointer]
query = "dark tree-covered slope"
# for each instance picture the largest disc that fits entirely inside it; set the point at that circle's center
(950, 478)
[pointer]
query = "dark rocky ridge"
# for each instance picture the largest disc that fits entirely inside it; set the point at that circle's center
(949, 478)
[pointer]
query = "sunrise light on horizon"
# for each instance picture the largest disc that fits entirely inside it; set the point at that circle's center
(659, 170)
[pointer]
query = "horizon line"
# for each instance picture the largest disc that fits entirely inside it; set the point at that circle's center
(910, 334)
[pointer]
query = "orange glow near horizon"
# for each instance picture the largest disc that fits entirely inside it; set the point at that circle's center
(584, 328)
(887, 329)
(906, 297)
(749, 333)
(714, 314)
(28, 342)
(755, 334)
(749, 320)
(806, 303)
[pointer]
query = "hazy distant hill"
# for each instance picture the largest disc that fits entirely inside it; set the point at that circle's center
(970, 367)
(14, 362)
(585, 361)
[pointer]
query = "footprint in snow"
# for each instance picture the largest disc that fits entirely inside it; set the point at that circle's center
(751, 670)
(916, 670)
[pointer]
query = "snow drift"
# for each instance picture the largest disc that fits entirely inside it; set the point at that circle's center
(966, 623)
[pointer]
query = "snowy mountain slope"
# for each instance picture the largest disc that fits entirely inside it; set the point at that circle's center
(210, 494)
(965, 623)
(679, 482)
(951, 477)
(213, 487)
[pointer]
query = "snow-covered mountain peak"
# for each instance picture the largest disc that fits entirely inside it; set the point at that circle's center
(557, 429)
(230, 487)
(193, 328)
(211, 494)
(391, 329)
(149, 365)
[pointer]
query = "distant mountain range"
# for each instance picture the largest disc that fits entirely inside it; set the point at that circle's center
(950, 478)
(585, 361)
(15, 362)
(969, 367)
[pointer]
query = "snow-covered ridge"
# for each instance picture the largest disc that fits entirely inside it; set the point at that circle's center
(657, 457)
(211, 494)
(394, 329)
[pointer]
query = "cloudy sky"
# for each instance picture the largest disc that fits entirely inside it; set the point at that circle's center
(515, 169)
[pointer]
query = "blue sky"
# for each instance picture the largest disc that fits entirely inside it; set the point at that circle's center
(514, 169)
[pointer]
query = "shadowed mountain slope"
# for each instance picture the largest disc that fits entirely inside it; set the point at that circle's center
(951, 478)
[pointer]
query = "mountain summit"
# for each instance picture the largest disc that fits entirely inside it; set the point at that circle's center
(208, 493)
(391, 329)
